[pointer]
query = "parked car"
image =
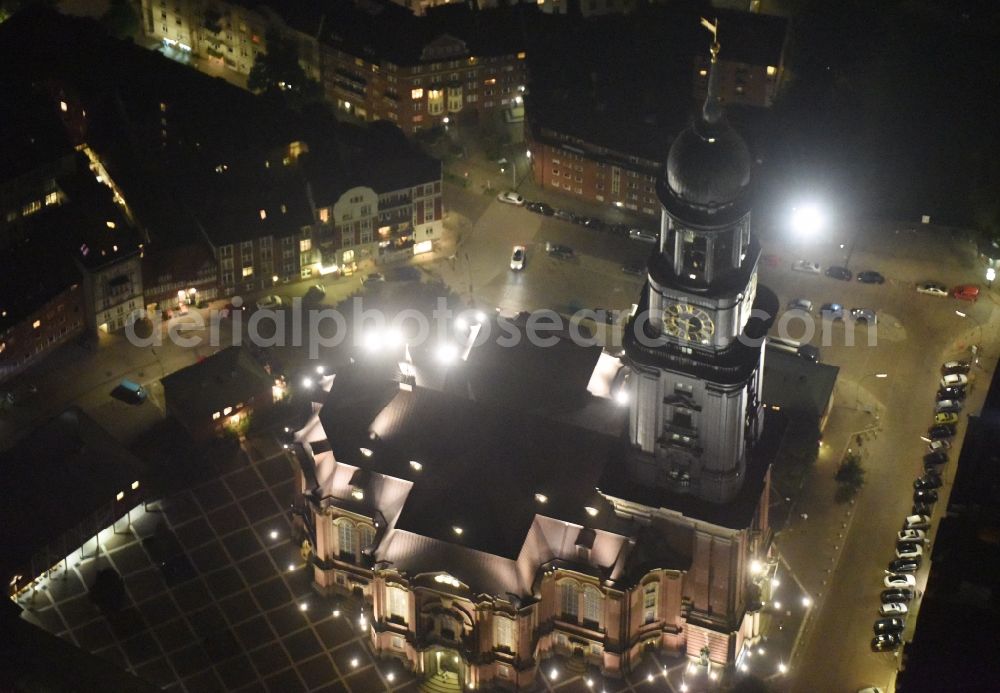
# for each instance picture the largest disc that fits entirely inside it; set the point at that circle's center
(899, 580)
(888, 625)
(832, 311)
(841, 273)
(563, 252)
(946, 417)
(952, 367)
(511, 198)
(925, 495)
(314, 294)
(643, 235)
(911, 535)
(270, 301)
(907, 549)
(922, 509)
(904, 565)
(956, 392)
(966, 292)
(886, 642)
(539, 208)
(865, 315)
(948, 405)
(936, 457)
(927, 481)
(564, 215)
(133, 391)
(938, 446)
(803, 304)
(373, 278)
(917, 522)
(932, 289)
(592, 223)
(806, 266)
(896, 594)
(517, 258)
(941, 432)
(892, 609)
(954, 379)
(635, 268)
(870, 277)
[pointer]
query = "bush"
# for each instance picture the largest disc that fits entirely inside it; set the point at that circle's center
(850, 476)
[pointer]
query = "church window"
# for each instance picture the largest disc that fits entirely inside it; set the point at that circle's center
(592, 601)
(399, 604)
(569, 601)
(348, 540)
(683, 418)
(683, 388)
(504, 633)
(367, 537)
(650, 597)
(693, 251)
(722, 252)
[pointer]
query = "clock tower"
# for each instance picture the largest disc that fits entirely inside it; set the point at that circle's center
(694, 352)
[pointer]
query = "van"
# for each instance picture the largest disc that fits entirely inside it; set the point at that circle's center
(134, 389)
(643, 235)
(793, 346)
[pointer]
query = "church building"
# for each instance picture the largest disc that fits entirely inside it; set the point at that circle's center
(564, 500)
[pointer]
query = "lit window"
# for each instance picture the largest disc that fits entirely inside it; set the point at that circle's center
(227, 411)
(771, 70)
(504, 632)
(324, 214)
(31, 207)
(51, 198)
(521, 55)
(305, 246)
(263, 214)
(592, 604)
(248, 271)
(569, 600)
(703, 73)
(399, 603)
(417, 94)
(348, 539)
(63, 106)
(491, 80)
(216, 416)
(650, 593)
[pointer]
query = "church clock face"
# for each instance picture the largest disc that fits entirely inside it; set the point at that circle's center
(687, 322)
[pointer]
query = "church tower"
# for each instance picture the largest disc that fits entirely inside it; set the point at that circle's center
(696, 371)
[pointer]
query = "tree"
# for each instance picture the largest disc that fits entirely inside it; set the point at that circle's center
(121, 19)
(850, 477)
(277, 73)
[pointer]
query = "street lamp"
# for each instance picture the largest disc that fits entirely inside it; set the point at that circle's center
(808, 220)
(857, 392)
(991, 274)
(979, 326)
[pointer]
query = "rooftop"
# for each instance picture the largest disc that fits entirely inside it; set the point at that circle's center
(796, 385)
(59, 475)
(222, 380)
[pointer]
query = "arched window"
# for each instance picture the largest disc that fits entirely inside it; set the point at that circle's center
(650, 598)
(348, 540)
(367, 537)
(504, 633)
(569, 601)
(399, 604)
(593, 606)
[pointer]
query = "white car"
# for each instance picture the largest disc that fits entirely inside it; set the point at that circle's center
(907, 550)
(865, 315)
(917, 522)
(948, 405)
(900, 580)
(803, 304)
(517, 258)
(932, 289)
(511, 198)
(643, 235)
(893, 609)
(953, 379)
(911, 535)
(271, 301)
(806, 266)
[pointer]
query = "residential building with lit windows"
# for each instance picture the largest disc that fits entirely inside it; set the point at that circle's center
(379, 62)
(231, 34)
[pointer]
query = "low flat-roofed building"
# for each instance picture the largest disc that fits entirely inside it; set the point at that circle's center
(798, 387)
(69, 479)
(221, 391)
